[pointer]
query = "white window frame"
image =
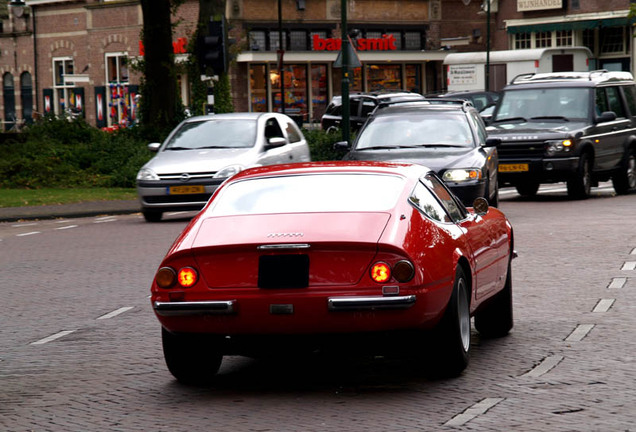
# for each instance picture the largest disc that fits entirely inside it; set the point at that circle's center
(119, 83)
(63, 88)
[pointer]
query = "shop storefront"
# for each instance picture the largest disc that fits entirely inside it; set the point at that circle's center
(389, 61)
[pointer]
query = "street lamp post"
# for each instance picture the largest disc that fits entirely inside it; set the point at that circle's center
(487, 86)
(281, 53)
(345, 72)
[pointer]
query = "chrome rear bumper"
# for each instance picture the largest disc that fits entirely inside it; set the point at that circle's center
(370, 303)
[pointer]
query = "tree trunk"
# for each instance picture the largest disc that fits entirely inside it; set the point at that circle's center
(159, 89)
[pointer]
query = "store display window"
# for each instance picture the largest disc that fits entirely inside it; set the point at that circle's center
(258, 88)
(319, 90)
(384, 77)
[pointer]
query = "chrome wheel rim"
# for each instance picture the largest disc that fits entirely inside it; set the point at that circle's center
(463, 314)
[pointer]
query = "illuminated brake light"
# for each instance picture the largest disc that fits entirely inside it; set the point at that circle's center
(380, 272)
(187, 277)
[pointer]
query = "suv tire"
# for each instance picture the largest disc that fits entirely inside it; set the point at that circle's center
(527, 189)
(580, 186)
(625, 178)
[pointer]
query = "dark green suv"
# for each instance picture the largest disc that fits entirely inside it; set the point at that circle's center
(574, 127)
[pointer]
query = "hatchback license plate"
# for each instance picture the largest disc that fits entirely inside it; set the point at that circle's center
(185, 190)
(513, 167)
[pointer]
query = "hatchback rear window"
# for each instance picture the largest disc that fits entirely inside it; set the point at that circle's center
(310, 193)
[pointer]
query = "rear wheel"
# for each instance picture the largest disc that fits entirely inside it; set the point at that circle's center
(152, 215)
(495, 319)
(527, 189)
(192, 358)
(580, 186)
(493, 200)
(625, 179)
(452, 336)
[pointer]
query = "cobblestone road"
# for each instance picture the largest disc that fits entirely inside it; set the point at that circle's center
(80, 349)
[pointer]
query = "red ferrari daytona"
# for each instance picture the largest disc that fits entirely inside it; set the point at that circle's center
(321, 250)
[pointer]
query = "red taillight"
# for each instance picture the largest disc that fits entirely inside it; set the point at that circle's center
(380, 272)
(187, 277)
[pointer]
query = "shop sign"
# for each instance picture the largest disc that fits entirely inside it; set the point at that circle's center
(534, 5)
(385, 43)
(178, 46)
(462, 74)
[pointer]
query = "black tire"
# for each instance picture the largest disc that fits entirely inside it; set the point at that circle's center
(493, 201)
(496, 318)
(152, 215)
(527, 189)
(580, 186)
(625, 178)
(192, 358)
(452, 335)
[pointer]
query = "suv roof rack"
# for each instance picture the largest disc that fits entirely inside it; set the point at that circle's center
(598, 75)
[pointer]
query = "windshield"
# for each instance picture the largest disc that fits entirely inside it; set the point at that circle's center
(412, 130)
(310, 193)
(214, 134)
(544, 104)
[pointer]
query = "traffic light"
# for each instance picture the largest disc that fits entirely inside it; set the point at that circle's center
(213, 48)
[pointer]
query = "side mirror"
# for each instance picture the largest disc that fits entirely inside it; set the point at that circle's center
(154, 147)
(275, 143)
(492, 142)
(342, 146)
(606, 116)
(480, 205)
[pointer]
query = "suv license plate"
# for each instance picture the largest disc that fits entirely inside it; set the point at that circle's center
(184, 190)
(513, 167)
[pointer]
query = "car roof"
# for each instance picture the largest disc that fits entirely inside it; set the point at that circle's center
(231, 116)
(325, 167)
(425, 105)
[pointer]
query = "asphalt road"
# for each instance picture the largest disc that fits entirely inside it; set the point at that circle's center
(80, 349)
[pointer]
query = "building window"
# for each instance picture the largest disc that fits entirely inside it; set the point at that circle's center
(384, 77)
(543, 39)
(523, 41)
(298, 40)
(612, 40)
(413, 41)
(258, 88)
(274, 40)
(589, 39)
(10, 120)
(258, 41)
(564, 38)
(62, 89)
(319, 90)
(26, 95)
(117, 97)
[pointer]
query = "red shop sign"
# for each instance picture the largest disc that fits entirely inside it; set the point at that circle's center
(385, 43)
(178, 47)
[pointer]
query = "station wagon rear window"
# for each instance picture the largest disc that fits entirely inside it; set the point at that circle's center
(310, 193)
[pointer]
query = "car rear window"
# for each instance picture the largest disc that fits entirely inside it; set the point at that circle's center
(310, 193)
(218, 133)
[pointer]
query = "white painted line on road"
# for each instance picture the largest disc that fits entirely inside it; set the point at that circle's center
(603, 305)
(66, 227)
(629, 265)
(53, 337)
(61, 221)
(579, 332)
(476, 410)
(23, 225)
(105, 221)
(546, 365)
(114, 313)
(176, 213)
(28, 234)
(633, 251)
(617, 283)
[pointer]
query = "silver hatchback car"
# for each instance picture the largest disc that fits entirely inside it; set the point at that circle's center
(202, 152)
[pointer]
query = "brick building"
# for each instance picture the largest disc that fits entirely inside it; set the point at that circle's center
(76, 57)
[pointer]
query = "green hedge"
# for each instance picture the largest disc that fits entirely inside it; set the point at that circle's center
(56, 153)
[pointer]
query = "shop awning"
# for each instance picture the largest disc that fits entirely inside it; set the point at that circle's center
(570, 25)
